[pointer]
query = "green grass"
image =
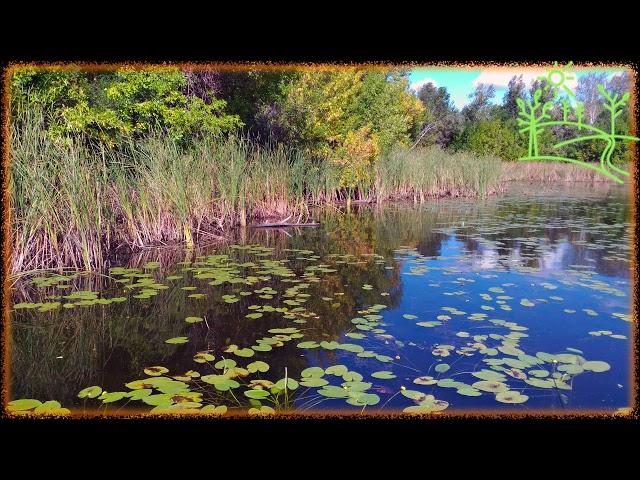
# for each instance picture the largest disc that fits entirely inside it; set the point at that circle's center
(72, 204)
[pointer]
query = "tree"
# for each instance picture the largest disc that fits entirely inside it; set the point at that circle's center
(496, 138)
(321, 107)
(247, 93)
(126, 103)
(516, 89)
(440, 112)
(587, 93)
(480, 106)
(384, 103)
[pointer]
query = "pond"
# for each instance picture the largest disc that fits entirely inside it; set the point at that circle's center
(518, 303)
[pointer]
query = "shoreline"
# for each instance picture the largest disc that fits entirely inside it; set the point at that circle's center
(221, 236)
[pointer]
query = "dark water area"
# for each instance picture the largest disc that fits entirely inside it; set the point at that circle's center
(513, 303)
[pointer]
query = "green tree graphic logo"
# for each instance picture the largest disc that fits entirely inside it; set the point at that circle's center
(535, 117)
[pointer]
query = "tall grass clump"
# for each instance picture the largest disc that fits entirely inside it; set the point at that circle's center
(431, 172)
(531, 171)
(58, 199)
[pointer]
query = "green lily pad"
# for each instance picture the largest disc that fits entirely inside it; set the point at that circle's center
(442, 367)
(426, 380)
(332, 391)
(221, 382)
(361, 399)
(338, 370)
(215, 410)
(489, 375)
(193, 319)
(313, 382)
(490, 386)
(511, 397)
(48, 407)
(291, 384)
(596, 366)
(383, 375)
(312, 372)
(112, 396)
(469, 392)
(539, 373)
(90, 392)
(225, 363)
(155, 371)
(352, 376)
(23, 404)
(177, 340)
(140, 394)
(539, 382)
(571, 369)
(256, 394)
(263, 410)
(258, 366)
(244, 352)
(417, 396)
(203, 357)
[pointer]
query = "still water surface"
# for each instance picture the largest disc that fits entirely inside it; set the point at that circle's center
(517, 303)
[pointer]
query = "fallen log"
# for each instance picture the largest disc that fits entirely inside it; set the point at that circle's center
(281, 225)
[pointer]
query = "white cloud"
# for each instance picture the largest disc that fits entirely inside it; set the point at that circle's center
(499, 77)
(416, 86)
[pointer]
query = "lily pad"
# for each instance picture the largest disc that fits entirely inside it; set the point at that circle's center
(442, 367)
(90, 392)
(312, 372)
(511, 397)
(596, 366)
(23, 404)
(258, 366)
(426, 380)
(490, 386)
(383, 375)
(291, 384)
(155, 371)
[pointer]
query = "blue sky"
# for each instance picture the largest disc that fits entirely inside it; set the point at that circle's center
(460, 82)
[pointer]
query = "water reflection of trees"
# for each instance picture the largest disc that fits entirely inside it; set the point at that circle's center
(110, 345)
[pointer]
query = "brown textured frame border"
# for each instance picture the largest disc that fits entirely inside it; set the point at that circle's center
(632, 412)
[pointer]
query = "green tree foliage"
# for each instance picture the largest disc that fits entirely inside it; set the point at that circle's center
(440, 112)
(249, 94)
(330, 112)
(515, 90)
(384, 103)
(480, 106)
(117, 105)
(496, 138)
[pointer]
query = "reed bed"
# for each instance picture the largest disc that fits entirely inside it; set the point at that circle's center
(430, 172)
(531, 171)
